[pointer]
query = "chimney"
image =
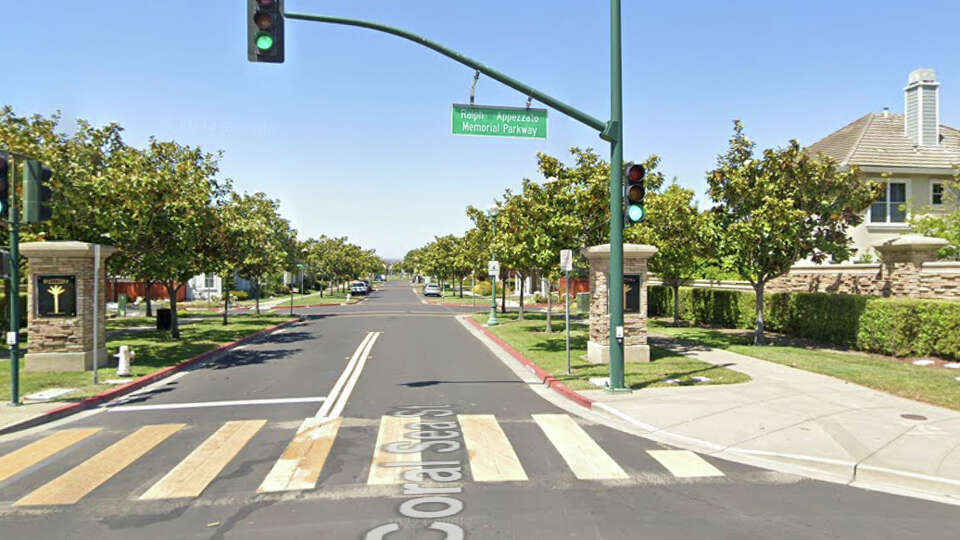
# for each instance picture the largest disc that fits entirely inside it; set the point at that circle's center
(886, 112)
(921, 108)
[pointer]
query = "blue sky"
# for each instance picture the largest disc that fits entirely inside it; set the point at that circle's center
(352, 133)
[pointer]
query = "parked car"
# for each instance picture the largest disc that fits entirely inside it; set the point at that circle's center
(369, 285)
(358, 287)
(431, 289)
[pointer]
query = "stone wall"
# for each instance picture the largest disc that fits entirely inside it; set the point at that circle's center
(634, 324)
(907, 270)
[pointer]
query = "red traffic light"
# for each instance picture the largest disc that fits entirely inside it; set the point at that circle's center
(635, 174)
(264, 2)
(263, 20)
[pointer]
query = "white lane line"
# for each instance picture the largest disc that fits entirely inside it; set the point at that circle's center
(345, 395)
(202, 404)
(334, 394)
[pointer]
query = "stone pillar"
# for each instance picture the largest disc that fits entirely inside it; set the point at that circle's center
(60, 323)
(635, 348)
(902, 259)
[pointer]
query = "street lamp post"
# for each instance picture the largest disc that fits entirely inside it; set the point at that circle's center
(492, 321)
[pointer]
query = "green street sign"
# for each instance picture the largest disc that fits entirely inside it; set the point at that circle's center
(516, 122)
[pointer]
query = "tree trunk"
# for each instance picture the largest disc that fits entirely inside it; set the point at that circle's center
(149, 306)
(549, 308)
(256, 287)
(503, 296)
(174, 323)
(758, 333)
(461, 286)
(676, 304)
(522, 279)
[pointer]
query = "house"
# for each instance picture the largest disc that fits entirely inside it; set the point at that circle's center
(210, 287)
(911, 154)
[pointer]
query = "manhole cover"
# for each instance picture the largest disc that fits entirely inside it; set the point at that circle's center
(913, 417)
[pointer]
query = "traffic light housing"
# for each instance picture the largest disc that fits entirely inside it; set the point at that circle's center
(36, 192)
(634, 192)
(265, 31)
(4, 185)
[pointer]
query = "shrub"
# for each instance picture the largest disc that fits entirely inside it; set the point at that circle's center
(900, 327)
(483, 288)
(240, 295)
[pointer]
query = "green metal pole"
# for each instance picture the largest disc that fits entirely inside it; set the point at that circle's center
(550, 101)
(616, 204)
(13, 218)
(492, 321)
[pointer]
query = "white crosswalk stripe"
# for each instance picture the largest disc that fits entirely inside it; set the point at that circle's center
(491, 455)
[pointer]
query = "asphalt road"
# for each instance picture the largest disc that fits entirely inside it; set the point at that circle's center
(215, 453)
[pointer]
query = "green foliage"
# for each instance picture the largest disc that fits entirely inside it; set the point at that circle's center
(483, 288)
(889, 326)
(5, 312)
(942, 224)
(786, 205)
(240, 295)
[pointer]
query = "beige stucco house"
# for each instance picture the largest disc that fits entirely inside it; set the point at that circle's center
(918, 153)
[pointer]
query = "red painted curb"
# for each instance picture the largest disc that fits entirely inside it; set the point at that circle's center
(547, 379)
(71, 408)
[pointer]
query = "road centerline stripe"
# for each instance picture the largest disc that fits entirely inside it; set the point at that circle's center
(583, 455)
(300, 464)
(192, 475)
(383, 469)
(334, 394)
(37, 451)
(492, 458)
(73, 485)
(341, 402)
(684, 463)
(202, 404)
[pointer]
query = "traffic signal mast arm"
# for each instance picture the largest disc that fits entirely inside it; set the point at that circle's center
(560, 106)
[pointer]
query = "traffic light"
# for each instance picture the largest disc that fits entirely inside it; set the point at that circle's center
(265, 31)
(633, 194)
(4, 185)
(36, 192)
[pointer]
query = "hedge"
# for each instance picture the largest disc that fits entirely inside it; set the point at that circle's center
(5, 312)
(901, 327)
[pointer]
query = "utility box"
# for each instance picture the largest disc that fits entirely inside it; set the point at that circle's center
(583, 303)
(164, 319)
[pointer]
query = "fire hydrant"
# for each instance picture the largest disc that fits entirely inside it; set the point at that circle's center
(123, 361)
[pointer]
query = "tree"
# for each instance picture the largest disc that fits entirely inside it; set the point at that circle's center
(786, 205)
(946, 225)
(169, 231)
(677, 229)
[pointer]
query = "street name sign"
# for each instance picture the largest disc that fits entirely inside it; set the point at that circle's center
(493, 268)
(566, 260)
(487, 121)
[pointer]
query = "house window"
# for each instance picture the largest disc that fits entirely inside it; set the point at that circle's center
(887, 209)
(209, 281)
(936, 193)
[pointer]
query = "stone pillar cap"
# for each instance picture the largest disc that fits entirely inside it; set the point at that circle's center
(909, 242)
(64, 249)
(629, 251)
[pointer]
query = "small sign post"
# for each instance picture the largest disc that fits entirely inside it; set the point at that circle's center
(566, 264)
(493, 268)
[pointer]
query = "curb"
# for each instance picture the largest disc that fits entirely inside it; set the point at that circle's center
(541, 374)
(72, 408)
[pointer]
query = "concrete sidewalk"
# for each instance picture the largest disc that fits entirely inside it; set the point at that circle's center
(802, 422)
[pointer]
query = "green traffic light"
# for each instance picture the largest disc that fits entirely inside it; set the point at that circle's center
(636, 213)
(264, 41)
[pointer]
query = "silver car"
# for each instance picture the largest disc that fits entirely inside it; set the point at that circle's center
(431, 290)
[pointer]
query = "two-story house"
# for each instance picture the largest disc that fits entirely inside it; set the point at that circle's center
(911, 154)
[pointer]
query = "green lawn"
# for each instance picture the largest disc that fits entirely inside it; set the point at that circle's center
(154, 351)
(548, 351)
(453, 297)
(922, 383)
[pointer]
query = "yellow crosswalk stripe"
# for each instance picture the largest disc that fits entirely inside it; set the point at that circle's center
(197, 470)
(391, 431)
(38, 451)
(584, 456)
(301, 463)
(72, 486)
(492, 458)
(684, 463)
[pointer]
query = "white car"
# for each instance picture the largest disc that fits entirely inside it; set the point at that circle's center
(431, 290)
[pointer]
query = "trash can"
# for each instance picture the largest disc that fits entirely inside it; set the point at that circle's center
(583, 303)
(164, 319)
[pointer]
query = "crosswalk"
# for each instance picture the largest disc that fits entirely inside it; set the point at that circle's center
(489, 454)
